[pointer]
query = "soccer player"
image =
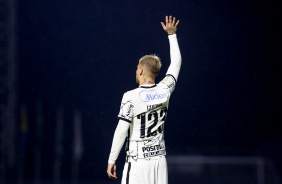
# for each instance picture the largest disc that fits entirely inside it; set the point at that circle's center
(142, 115)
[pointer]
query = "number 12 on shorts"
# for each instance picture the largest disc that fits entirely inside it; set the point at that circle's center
(148, 117)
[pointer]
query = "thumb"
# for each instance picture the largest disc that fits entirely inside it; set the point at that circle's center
(163, 25)
(114, 171)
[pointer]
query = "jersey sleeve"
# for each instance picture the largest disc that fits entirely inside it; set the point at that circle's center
(175, 57)
(169, 82)
(118, 140)
(172, 73)
(126, 108)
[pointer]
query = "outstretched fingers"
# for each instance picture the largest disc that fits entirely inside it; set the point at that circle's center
(170, 25)
(173, 21)
(163, 25)
(176, 24)
(166, 20)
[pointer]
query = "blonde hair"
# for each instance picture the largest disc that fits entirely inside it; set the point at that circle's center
(152, 62)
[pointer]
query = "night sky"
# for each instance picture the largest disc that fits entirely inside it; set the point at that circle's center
(82, 55)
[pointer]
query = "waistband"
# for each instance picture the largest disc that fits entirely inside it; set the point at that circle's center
(134, 159)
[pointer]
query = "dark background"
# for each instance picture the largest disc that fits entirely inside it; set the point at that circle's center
(83, 55)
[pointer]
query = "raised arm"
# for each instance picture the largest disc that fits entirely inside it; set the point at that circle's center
(170, 26)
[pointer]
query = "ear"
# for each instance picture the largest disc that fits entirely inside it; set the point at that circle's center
(141, 71)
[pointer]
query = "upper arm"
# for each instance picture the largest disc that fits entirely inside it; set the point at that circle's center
(169, 81)
(126, 109)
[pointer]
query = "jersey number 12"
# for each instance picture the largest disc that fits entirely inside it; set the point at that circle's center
(153, 114)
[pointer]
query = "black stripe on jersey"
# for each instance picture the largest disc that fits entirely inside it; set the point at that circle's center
(148, 86)
(128, 170)
(127, 141)
(128, 121)
(172, 77)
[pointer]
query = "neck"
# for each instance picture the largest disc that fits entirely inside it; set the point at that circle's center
(146, 81)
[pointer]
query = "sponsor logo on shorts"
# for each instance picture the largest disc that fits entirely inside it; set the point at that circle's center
(145, 96)
(152, 151)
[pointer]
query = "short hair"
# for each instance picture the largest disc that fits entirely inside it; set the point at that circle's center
(152, 62)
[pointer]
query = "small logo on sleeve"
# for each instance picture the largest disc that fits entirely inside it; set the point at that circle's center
(168, 81)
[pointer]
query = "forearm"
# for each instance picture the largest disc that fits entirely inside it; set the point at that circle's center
(175, 57)
(118, 140)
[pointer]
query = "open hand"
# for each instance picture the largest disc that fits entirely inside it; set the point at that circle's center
(170, 25)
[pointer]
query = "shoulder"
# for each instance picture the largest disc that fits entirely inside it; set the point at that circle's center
(130, 92)
(168, 81)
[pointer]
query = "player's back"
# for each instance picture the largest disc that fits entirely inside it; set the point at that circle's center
(148, 109)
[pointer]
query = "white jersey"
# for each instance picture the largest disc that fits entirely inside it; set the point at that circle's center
(141, 118)
(145, 108)
(143, 112)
